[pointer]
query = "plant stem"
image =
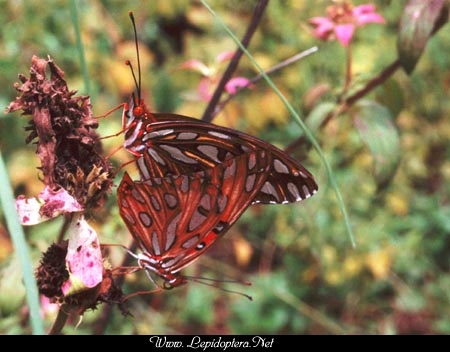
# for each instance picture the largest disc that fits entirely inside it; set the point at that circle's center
(102, 322)
(258, 77)
(380, 79)
(60, 321)
(256, 19)
(348, 71)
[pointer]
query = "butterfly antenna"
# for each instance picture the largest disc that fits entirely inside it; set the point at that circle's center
(203, 281)
(138, 82)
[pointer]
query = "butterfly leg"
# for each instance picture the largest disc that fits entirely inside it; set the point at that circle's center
(131, 295)
(109, 112)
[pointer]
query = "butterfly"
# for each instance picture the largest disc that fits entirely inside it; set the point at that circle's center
(175, 219)
(197, 179)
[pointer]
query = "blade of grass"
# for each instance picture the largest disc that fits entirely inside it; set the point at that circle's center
(308, 311)
(21, 249)
(76, 27)
(296, 117)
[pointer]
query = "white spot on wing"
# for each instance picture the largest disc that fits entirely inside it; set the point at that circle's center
(143, 168)
(306, 191)
(171, 232)
(155, 203)
(230, 170)
(155, 134)
(250, 183)
(169, 262)
(210, 151)
(137, 196)
(155, 243)
(196, 220)
(294, 191)
(154, 154)
(268, 188)
(280, 167)
(219, 135)
(146, 220)
(171, 200)
(251, 161)
(178, 154)
(187, 135)
(205, 202)
(191, 242)
(129, 141)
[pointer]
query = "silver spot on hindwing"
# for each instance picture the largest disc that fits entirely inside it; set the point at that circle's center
(184, 184)
(172, 232)
(171, 200)
(205, 202)
(155, 243)
(268, 188)
(146, 220)
(155, 156)
(280, 167)
(210, 151)
(251, 161)
(192, 241)
(222, 202)
(187, 135)
(306, 191)
(178, 154)
(196, 220)
(156, 134)
(293, 189)
(219, 135)
(155, 203)
(136, 195)
(230, 170)
(250, 183)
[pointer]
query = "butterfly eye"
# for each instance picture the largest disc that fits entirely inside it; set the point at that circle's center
(138, 111)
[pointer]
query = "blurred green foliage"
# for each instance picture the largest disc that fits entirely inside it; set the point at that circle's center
(397, 278)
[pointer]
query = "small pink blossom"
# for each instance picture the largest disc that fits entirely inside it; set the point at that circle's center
(84, 257)
(341, 21)
(196, 65)
(211, 77)
(47, 205)
(235, 83)
(225, 56)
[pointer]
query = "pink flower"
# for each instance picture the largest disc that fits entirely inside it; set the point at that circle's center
(47, 205)
(234, 84)
(211, 77)
(341, 21)
(84, 257)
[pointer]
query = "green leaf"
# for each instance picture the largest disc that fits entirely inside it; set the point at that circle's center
(318, 115)
(375, 125)
(420, 19)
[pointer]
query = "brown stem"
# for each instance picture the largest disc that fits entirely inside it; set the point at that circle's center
(60, 321)
(102, 322)
(256, 19)
(258, 77)
(380, 79)
(65, 226)
(348, 102)
(348, 73)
